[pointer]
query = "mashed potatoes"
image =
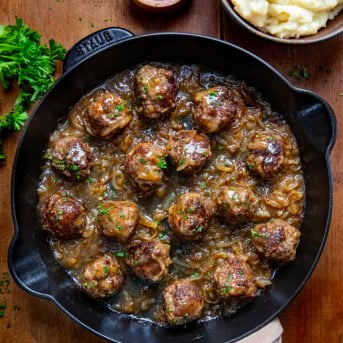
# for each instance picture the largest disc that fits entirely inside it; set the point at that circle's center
(288, 18)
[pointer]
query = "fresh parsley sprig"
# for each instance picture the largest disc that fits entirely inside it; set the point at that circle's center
(24, 59)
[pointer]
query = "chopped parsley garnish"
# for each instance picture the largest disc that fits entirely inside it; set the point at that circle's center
(213, 94)
(146, 89)
(118, 227)
(159, 97)
(203, 184)
(103, 211)
(299, 73)
(120, 253)
(3, 307)
(120, 107)
(258, 234)
(199, 229)
(122, 215)
(181, 162)
(142, 161)
(220, 147)
(90, 284)
(195, 275)
(106, 269)
(162, 163)
(74, 167)
(226, 290)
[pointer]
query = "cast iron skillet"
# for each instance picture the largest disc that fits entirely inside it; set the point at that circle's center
(92, 61)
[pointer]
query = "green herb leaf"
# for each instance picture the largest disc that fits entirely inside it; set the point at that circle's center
(181, 162)
(299, 73)
(258, 234)
(199, 229)
(103, 211)
(162, 163)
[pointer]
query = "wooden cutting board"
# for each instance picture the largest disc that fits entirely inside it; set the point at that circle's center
(316, 315)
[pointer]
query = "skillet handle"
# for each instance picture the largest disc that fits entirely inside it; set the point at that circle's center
(93, 43)
(318, 120)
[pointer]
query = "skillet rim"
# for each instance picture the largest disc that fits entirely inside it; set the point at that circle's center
(293, 89)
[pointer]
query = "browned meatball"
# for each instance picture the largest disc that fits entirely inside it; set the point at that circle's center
(234, 277)
(63, 216)
(265, 155)
(72, 158)
(190, 216)
(102, 277)
(156, 90)
(237, 202)
(189, 150)
(182, 302)
(143, 165)
(149, 259)
(106, 114)
(117, 219)
(276, 240)
(214, 109)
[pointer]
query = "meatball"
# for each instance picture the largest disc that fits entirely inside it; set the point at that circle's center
(234, 277)
(214, 109)
(106, 114)
(182, 302)
(102, 277)
(63, 216)
(276, 240)
(189, 150)
(117, 219)
(72, 158)
(156, 90)
(149, 259)
(190, 216)
(265, 155)
(236, 203)
(143, 165)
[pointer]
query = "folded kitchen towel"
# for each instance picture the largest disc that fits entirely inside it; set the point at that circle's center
(271, 333)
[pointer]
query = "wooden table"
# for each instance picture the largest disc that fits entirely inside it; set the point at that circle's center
(316, 315)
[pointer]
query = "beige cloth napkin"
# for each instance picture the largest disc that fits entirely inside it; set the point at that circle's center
(271, 333)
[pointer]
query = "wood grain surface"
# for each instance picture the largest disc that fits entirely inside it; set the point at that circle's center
(316, 315)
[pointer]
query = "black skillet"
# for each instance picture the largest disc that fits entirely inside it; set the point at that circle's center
(92, 61)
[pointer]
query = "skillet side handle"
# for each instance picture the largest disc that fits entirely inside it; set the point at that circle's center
(319, 121)
(28, 269)
(93, 43)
